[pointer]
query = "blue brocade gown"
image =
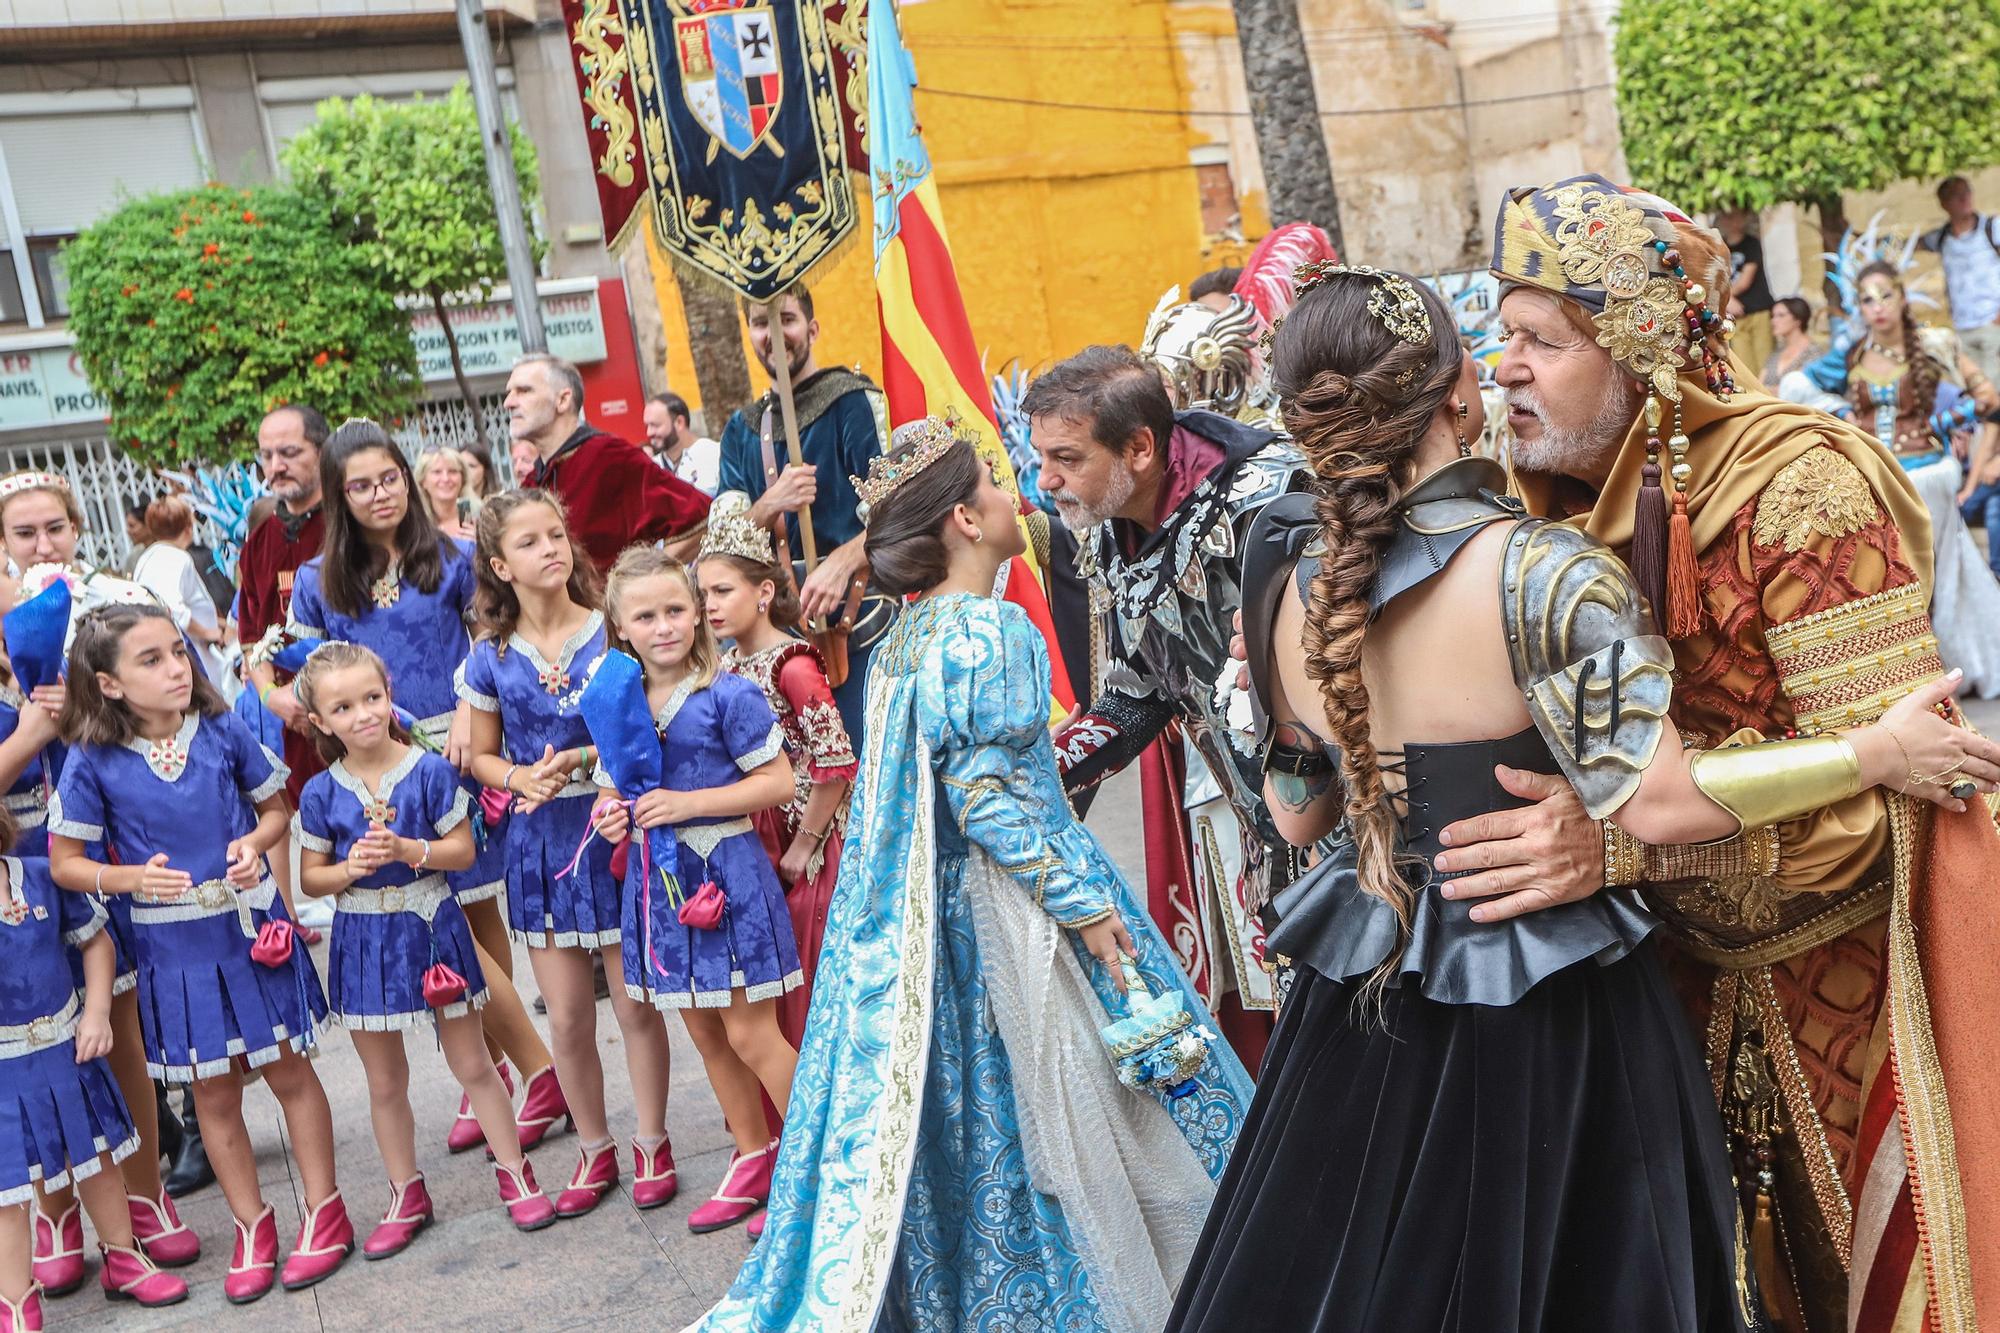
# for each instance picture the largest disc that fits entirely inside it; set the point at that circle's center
(904, 1195)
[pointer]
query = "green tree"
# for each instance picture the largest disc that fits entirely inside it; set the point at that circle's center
(1751, 103)
(406, 182)
(196, 313)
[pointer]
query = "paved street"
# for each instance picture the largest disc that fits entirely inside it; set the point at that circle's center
(617, 1267)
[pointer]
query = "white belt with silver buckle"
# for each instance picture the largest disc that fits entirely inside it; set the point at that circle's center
(420, 897)
(18, 1039)
(705, 838)
(211, 897)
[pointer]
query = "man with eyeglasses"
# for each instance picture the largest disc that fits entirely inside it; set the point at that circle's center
(288, 445)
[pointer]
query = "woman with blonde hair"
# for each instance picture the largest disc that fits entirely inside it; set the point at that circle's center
(443, 479)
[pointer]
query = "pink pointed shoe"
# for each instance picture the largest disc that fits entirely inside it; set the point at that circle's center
(753, 1230)
(129, 1275)
(465, 1132)
(744, 1189)
(326, 1238)
(24, 1315)
(527, 1207)
(59, 1266)
(542, 1105)
(655, 1180)
(409, 1212)
(254, 1265)
(167, 1241)
(596, 1176)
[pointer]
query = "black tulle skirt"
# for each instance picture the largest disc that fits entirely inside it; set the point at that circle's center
(1557, 1163)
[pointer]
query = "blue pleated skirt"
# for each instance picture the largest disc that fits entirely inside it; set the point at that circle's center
(204, 1004)
(56, 1116)
(118, 925)
(676, 966)
(547, 908)
(376, 963)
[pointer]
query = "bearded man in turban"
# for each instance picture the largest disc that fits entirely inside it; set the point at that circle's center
(1839, 966)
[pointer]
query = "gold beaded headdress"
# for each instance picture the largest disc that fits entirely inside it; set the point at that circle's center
(926, 442)
(730, 532)
(1394, 301)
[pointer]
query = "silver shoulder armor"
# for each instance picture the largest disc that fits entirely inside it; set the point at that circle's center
(1596, 675)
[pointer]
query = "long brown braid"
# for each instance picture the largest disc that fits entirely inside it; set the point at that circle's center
(1917, 394)
(1357, 399)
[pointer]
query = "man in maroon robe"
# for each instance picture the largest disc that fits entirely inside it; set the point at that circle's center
(615, 494)
(288, 445)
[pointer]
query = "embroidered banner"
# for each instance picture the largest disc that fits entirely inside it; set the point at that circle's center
(733, 123)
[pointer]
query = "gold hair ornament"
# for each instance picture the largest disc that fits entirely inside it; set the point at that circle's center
(730, 532)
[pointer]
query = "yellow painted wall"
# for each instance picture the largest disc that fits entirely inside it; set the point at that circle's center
(1066, 225)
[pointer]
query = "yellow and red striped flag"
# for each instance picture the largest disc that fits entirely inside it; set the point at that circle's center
(930, 365)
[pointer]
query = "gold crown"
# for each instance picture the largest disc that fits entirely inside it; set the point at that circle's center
(924, 443)
(730, 532)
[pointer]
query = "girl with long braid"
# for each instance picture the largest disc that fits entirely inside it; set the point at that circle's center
(1470, 1117)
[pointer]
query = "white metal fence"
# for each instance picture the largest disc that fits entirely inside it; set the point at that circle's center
(108, 480)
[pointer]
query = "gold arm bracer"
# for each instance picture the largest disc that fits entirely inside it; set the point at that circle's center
(1778, 780)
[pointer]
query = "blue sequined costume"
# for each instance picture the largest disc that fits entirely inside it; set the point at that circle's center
(905, 1190)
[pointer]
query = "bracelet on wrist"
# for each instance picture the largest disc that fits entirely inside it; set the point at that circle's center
(507, 783)
(425, 859)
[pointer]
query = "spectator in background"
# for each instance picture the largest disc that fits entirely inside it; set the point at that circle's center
(613, 492)
(135, 531)
(288, 445)
(1750, 298)
(1214, 288)
(1791, 333)
(670, 439)
(479, 479)
(442, 479)
(1968, 244)
(167, 570)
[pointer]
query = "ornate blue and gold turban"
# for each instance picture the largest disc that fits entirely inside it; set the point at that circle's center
(1617, 253)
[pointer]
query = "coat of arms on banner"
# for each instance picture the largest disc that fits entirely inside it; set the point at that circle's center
(737, 114)
(730, 74)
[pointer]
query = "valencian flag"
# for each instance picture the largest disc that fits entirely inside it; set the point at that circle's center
(734, 122)
(929, 363)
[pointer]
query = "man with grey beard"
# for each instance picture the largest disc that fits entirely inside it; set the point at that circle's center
(1160, 502)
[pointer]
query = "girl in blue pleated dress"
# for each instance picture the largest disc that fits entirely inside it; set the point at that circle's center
(382, 828)
(188, 803)
(541, 634)
(723, 758)
(389, 580)
(62, 1120)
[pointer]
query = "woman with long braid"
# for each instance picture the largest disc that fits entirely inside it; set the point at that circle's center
(1474, 1118)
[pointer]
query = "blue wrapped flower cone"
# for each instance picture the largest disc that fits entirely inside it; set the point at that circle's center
(613, 706)
(35, 633)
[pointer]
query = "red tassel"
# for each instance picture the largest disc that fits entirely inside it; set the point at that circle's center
(1649, 539)
(1683, 578)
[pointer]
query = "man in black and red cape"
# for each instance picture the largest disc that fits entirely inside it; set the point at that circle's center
(615, 495)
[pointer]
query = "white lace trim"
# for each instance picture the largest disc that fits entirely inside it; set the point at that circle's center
(421, 897)
(19, 1039)
(69, 828)
(461, 804)
(211, 897)
(300, 630)
(480, 893)
(565, 654)
(405, 1021)
(564, 939)
(705, 838)
(180, 743)
(773, 745)
(385, 786)
(270, 786)
(671, 709)
(485, 703)
(297, 1043)
(717, 999)
(76, 1171)
(312, 842)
